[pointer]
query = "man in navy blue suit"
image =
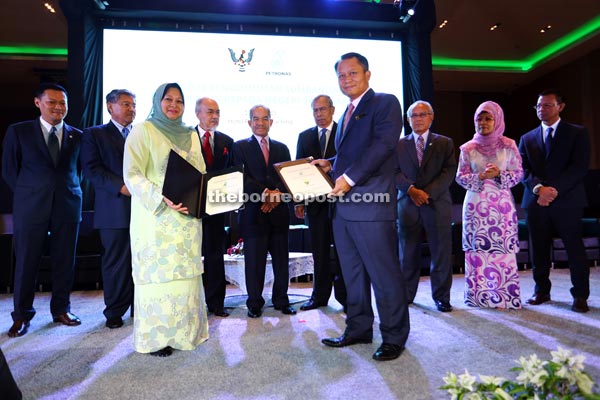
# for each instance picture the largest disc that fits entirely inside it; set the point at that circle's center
(40, 164)
(102, 151)
(364, 222)
(264, 224)
(318, 142)
(556, 158)
(216, 148)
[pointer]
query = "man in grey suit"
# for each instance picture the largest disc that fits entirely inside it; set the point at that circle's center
(426, 169)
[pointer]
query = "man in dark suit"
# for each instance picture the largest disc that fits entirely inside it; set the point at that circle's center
(364, 222)
(216, 147)
(556, 158)
(426, 169)
(319, 142)
(102, 150)
(264, 221)
(40, 164)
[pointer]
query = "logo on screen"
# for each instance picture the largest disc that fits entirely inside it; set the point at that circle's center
(243, 60)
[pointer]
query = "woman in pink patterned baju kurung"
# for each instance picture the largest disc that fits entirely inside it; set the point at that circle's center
(489, 165)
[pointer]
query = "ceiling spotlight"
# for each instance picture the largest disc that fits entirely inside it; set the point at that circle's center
(496, 26)
(49, 8)
(546, 29)
(443, 24)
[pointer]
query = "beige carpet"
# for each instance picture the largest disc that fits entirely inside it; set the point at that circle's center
(281, 357)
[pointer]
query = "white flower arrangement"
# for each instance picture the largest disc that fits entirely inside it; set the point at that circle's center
(562, 377)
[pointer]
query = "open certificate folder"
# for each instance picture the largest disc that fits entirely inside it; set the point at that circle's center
(203, 194)
(304, 180)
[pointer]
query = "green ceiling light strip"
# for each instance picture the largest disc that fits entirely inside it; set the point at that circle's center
(564, 42)
(525, 65)
(458, 63)
(33, 51)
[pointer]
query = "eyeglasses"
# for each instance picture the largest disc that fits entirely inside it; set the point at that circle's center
(320, 110)
(545, 106)
(419, 115)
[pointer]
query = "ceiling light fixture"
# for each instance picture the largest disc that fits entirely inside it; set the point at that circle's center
(49, 8)
(546, 29)
(443, 24)
(496, 26)
(528, 63)
(406, 8)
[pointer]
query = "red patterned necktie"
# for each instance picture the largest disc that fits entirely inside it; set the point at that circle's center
(265, 149)
(420, 147)
(208, 154)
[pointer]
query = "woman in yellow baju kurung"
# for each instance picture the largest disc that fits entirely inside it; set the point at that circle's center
(166, 242)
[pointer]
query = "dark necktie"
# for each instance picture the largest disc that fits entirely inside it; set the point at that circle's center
(420, 147)
(265, 150)
(53, 146)
(347, 116)
(208, 154)
(548, 142)
(323, 141)
(125, 132)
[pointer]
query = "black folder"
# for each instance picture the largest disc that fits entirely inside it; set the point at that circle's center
(185, 184)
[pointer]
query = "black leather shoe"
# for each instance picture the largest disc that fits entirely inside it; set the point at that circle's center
(287, 310)
(254, 312)
(219, 312)
(114, 323)
(344, 341)
(538, 298)
(388, 351)
(580, 305)
(311, 305)
(166, 352)
(18, 328)
(443, 306)
(67, 319)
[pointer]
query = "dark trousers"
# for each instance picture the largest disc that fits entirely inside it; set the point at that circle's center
(439, 240)
(116, 272)
(326, 265)
(544, 223)
(368, 252)
(258, 241)
(29, 241)
(213, 279)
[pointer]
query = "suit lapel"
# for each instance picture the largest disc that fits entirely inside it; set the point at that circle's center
(314, 141)
(330, 149)
(41, 141)
(412, 150)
